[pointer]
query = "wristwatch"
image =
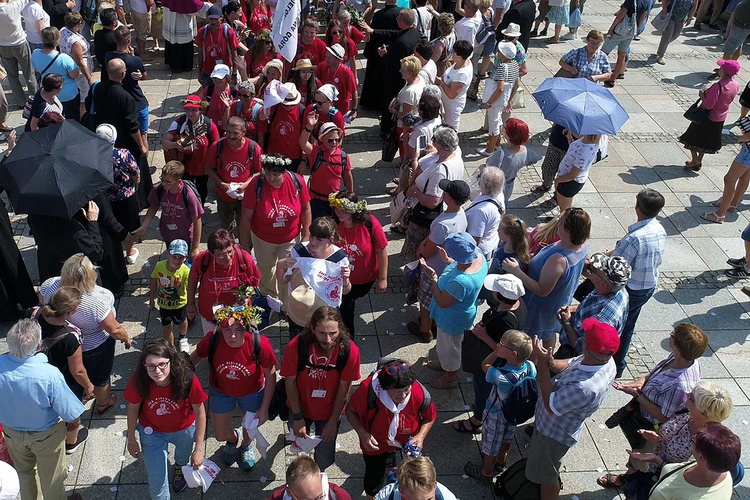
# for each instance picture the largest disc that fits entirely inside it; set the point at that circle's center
(298, 416)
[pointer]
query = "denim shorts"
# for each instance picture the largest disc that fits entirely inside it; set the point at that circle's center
(736, 39)
(221, 403)
(143, 120)
(743, 156)
(621, 42)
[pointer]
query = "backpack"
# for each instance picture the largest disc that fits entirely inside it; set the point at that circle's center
(512, 483)
(186, 186)
(485, 31)
(318, 162)
(300, 110)
(210, 91)
(259, 185)
(519, 406)
(372, 401)
(250, 151)
(88, 11)
(225, 31)
(50, 342)
(207, 258)
(254, 110)
(392, 496)
(213, 344)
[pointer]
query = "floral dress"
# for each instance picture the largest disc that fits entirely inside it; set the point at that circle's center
(125, 172)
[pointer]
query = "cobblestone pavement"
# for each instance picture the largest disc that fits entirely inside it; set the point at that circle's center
(645, 153)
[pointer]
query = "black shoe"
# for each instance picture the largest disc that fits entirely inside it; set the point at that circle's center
(533, 34)
(83, 433)
(737, 272)
(742, 262)
(621, 76)
(637, 39)
(609, 84)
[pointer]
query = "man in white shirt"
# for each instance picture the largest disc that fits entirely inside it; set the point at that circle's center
(14, 50)
(466, 28)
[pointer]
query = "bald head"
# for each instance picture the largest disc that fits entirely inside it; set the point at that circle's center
(116, 69)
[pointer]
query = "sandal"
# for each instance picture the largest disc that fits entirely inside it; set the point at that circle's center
(101, 410)
(549, 204)
(713, 217)
(611, 481)
(540, 188)
(695, 167)
(717, 203)
(461, 426)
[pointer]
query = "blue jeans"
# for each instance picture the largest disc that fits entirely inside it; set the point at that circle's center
(325, 452)
(482, 390)
(155, 453)
(638, 299)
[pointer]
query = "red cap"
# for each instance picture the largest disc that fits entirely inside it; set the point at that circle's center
(192, 101)
(601, 338)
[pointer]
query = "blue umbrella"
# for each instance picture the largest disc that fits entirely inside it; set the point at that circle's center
(580, 105)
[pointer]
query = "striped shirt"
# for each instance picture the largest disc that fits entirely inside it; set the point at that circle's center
(643, 248)
(94, 308)
(668, 388)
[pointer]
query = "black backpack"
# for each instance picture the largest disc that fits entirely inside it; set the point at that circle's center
(520, 404)
(372, 402)
(513, 484)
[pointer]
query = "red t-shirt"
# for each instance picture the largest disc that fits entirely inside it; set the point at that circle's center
(359, 248)
(259, 18)
(196, 165)
(327, 178)
(350, 49)
(247, 115)
(235, 372)
(354, 34)
(284, 131)
(314, 404)
(316, 51)
(234, 165)
(338, 119)
(160, 411)
(215, 48)
(343, 79)
(218, 284)
(276, 216)
(255, 65)
(303, 91)
(217, 107)
(408, 424)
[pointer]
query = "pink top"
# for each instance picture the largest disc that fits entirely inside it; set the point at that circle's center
(719, 101)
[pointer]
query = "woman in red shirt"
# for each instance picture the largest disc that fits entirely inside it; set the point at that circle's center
(275, 214)
(258, 14)
(248, 108)
(336, 33)
(165, 403)
(305, 80)
(322, 103)
(329, 164)
(364, 241)
(219, 94)
(239, 375)
(271, 71)
(262, 52)
(185, 127)
(399, 415)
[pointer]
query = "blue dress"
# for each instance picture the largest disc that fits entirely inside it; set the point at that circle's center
(454, 319)
(542, 311)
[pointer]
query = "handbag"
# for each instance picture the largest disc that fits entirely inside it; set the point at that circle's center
(563, 73)
(390, 146)
(556, 3)
(575, 19)
(627, 27)
(398, 207)
(696, 114)
(420, 214)
(518, 101)
(659, 22)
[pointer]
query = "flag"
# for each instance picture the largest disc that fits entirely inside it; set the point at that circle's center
(285, 26)
(273, 94)
(324, 278)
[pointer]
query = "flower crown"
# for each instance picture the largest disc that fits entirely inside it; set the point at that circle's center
(348, 205)
(275, 160)
(248, 316)
(263, 35)
(201, 103)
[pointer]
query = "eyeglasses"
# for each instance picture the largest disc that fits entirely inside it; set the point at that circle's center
(245, 96)
(320, 103)
(160, 366)
(268, 42)
(394, 369)
(167, 182)
(511, 349)
(334, 140)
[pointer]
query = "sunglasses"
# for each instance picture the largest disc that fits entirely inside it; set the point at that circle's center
(245, 96)
(336, 32)
(320, 103)
(394, 369)
(268, 42)
(334, 140)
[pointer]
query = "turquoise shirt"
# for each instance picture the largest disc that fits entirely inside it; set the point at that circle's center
(458, 317)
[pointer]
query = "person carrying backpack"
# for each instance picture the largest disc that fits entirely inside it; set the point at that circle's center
(416, 478)
(508, 379)
(242, 371)
(329, 164)
(389, 409)
(217, 44)
(319, 366)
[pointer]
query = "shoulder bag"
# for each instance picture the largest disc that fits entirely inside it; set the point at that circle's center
(659, 22)
(420, 214)
(697, 114)
(627, 27)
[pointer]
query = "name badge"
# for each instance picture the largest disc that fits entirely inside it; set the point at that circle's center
(172, 227)
(319, 393)
(148, 430)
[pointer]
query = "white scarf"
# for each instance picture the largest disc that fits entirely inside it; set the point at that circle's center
(385, 398)
(324, 480)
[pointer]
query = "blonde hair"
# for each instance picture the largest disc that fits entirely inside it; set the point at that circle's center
(63, 302)
(78, 272)
(417, 474)
(173, 169)
(546, 232)
(484, 4)
(411, 64)
(595, 138)
(714, 400)
(595, 35)
(518, 341)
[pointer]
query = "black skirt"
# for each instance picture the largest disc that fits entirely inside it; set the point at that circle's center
(705, 138)
(178, 56)
(745, 97)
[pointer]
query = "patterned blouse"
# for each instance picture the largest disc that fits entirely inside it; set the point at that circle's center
(676, 442)
(125, 172)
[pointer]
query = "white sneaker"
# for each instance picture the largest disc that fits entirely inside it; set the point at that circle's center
(483, 152)
(131, 259)
(184, 345)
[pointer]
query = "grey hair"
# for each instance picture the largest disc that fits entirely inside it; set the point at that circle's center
(344, 14)
(24, 337)
(492, 181)
(432, 90)
(446, 138)
(249, 86)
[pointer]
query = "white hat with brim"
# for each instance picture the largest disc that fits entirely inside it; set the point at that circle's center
(507, 285)
(337, 51)
(512, 31)
(220, 71)
(293, 97)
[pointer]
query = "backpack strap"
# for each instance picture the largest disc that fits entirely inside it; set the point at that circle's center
(203, 45)
(92, 108)
(368, 224)
(426, 401)
(238, 108)
(213, 343)
(488, 200)
(665, 476)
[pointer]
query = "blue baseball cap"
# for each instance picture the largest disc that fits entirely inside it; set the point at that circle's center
(178, 247)
(461, 247)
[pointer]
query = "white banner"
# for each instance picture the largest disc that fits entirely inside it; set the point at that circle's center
(274, 94)
(324, 278)
(285, 26)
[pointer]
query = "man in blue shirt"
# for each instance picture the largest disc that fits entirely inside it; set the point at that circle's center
(38, 403)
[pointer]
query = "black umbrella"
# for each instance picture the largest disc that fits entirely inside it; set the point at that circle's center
(56, 170)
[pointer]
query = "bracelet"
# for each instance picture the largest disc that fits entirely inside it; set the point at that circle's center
(308, 130)
(298, 416)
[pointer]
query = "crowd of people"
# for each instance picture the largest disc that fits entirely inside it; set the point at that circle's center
(297, 243)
